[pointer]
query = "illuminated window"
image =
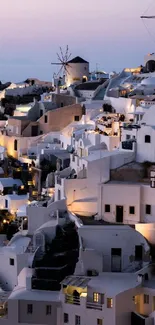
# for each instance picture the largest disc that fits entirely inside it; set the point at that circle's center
(136, 299)
(109, 302)
(95, 297)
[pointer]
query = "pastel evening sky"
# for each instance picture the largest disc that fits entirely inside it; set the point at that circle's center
(109, 33)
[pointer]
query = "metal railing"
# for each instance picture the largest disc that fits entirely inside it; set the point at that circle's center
(92, 305)
(70, 299)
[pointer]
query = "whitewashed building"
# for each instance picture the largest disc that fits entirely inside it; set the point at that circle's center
(12, 202)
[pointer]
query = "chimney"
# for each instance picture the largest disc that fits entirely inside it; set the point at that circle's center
(58, 89)
(140, 278)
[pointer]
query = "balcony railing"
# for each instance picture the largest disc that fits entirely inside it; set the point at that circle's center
(92, 305)
(69, 299)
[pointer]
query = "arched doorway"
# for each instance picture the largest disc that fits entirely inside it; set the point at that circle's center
(84, 79)
(39, 241)
(150, 66)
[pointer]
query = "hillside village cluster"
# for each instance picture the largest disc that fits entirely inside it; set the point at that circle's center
(77, 198)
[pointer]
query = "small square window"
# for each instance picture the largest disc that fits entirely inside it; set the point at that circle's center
(66, 318)
(48, 310)
(128, 136)
(99, 321)
(107, 208)
(45, 118)
(109, 302)
(12, 262)
(148, 209)
(77, 320)
(147, 139)
(131, 210)
(146, 299)
(76, 118)
(95, 297)
(29, 309)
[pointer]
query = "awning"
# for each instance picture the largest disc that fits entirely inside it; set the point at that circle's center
(76, 281)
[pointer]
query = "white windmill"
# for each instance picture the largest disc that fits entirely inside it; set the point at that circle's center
(59, 77)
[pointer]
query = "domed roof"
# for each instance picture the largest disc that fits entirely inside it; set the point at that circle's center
(148, 82)
(149, 116)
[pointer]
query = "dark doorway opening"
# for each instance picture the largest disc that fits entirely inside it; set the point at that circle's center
(116, 260)
(138, 253)
(150, 66)
(15, 145)
(119, 213)
(34, 130)
(84, 79)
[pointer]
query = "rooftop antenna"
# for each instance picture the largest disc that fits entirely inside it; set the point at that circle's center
(146, 17)
(62, 61)
(96, 67)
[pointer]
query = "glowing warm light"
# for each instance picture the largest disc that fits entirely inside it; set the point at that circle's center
(22, 187)
(25, 219)
(30, 169)
(83, 294)
(4, 221)
(133, 70)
